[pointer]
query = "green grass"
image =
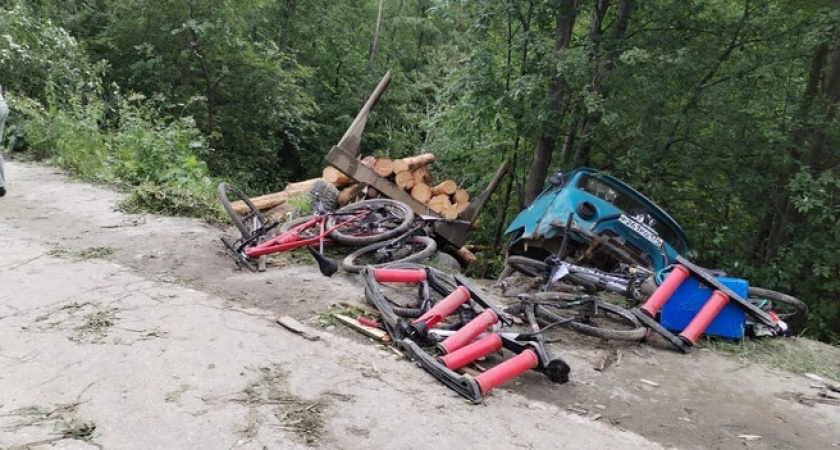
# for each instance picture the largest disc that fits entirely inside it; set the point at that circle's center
(153, 157)
(795, 355)
(81, 254)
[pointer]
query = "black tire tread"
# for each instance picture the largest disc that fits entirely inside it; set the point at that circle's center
(326, 192)
(775, 296)
(637, 333)
(406, 221)
(429, 248)
(222, 191)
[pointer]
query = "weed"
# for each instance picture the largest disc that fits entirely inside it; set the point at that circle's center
(306, 421)
(61, 418)
(96, 325)
(300, 416)
(301, 204)
(327, 318)
(795, 355)
(81, 254)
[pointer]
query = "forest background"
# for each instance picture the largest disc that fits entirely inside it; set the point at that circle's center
(724, 112)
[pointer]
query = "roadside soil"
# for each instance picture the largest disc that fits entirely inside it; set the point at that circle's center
(136, 331)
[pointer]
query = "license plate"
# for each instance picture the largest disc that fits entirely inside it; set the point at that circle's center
(640, 229)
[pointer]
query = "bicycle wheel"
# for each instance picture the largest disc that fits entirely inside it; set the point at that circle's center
(387, 253)
(323, 191)
(381, 219)
(800, 309)
(309, 232)
(528, 266)
(603, 320)
(247, 222)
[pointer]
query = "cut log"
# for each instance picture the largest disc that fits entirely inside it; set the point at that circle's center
(439, 202)
(461, 196)
(421, 192)
(335, 177)
(300, 186)
(268, 201)
(448, 187)
(375, 333)
(450, 212)
(349, 193)
(421, 175)
(413, 162)
(465, 256)
(405, 180)
(372, 192)
(384, 167)
(368, 161)
(461, 207)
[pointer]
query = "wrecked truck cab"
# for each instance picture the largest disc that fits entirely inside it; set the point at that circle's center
(597, 212)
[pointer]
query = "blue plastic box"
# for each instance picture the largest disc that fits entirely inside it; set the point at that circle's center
(687, 300)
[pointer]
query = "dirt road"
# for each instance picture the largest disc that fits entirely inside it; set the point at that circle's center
(135, 332)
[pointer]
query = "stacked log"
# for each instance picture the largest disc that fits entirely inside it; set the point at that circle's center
(269, 201)
(411, 174)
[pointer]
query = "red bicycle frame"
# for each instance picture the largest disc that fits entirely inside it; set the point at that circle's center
(291, 239)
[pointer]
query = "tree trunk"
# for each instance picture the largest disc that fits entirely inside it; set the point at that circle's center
(564, 23)
(825, 70)
(375, 36)
(591, 119)
(500, 224)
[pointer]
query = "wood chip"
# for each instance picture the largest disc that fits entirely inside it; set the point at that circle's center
(397, 352)
(749, 437)
(296, 327)
(813, 377)
(650, 383)
(375, 333)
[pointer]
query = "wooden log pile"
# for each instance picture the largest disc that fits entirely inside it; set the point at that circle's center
(411, 174)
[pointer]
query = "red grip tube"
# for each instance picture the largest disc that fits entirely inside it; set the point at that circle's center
(507, 371)
(469, 331)
(368, 322)
(399, 275)
(445, 307)
(661, 295)
(704, 317)
(482, 347)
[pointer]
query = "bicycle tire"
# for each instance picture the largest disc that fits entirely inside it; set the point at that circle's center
(324, 191)
(779, 297)
(635, 332)
(241, 221)
(446, 284)
(528, 266)
(397, 219)
(293, 223)
(427, 247)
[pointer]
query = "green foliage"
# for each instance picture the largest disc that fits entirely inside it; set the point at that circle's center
(708, 108)
(153, 159)
(38, 57)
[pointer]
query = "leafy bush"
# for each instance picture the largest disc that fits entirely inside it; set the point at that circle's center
(155, 159)
(38, 58)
